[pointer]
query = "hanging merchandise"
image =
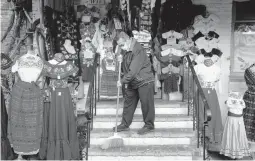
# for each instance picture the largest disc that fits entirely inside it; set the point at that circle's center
(59, 5)
(145, 16)
(177, 14)
(88, 50)
(109, 66)
(205, 23)
(67, 37)
(59, 137)
(205, 36)
(26, 106)
(209, 77)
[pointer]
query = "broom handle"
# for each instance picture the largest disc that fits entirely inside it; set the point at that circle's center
(118, 99)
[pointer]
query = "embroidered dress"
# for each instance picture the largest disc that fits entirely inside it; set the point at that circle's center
(26, 107)
(87, 52)
(59, 138)
(249, 99)
(234, 140)
(208, 77)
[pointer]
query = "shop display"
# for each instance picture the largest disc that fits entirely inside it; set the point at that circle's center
(26, 106)
(59, 139)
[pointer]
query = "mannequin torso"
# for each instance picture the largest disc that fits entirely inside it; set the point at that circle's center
(27, 64)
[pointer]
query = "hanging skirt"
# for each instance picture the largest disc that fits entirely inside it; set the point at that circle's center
(215, 126)
(234, 140)
(25, 118)
(87, 72)
(6, 150)
(59, 138)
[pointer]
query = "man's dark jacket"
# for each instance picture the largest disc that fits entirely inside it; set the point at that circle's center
(136, 67)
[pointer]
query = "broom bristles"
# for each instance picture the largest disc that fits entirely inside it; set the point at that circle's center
(113, 142)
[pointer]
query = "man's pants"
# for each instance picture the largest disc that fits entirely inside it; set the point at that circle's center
(146, 95)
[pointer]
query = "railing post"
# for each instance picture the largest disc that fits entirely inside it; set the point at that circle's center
(204, 125)
(197, 118)
(99, 80)
(188, 95)
(183, 78)
(95, 91)
(194, 105)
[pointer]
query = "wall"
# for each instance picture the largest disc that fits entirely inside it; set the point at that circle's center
(223, 9)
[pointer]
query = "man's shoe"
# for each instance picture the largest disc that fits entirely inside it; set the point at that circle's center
(121, 127)
(145, 130)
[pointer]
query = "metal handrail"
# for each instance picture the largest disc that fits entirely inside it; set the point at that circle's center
(200, 93)
(91, 102)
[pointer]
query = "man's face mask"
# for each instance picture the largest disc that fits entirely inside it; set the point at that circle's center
(122, 44)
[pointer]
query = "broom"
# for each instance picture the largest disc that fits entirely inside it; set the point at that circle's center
(115, 141)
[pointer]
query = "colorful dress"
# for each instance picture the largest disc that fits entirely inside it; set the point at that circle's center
(26, 106)
(208, 77)
(249, 99)
(59, 138)
(234, 139)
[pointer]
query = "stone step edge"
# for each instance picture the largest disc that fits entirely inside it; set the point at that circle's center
(175, 105)
(139, 118)
(146, 141)
(139, 158)
(159, 151)
(157, 133)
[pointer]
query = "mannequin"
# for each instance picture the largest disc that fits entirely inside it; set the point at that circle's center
(26, 96)
(58, 136)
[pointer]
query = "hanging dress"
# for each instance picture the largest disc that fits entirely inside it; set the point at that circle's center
(26, 106)
(208, 77)
(59, 138)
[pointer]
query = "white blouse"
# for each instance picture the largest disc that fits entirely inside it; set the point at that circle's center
(29, 67)
(235, 106)
(207, 45)
(204, 25)
(208, 74)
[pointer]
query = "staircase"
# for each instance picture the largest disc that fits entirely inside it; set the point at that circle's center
(171, 139)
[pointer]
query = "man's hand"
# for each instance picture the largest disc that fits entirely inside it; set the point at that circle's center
(119, 84)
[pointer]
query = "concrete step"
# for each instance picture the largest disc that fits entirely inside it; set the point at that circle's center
(159, 103)
(158, 111)
(139, 118)
(157, 153)
(157, 137)
(140, 124)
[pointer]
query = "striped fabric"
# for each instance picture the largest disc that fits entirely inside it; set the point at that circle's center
(249, 99)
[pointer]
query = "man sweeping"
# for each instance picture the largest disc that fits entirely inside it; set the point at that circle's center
(138, 81)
